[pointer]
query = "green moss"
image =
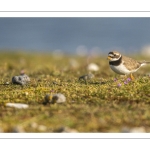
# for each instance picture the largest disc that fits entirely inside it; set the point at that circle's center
(98, 106)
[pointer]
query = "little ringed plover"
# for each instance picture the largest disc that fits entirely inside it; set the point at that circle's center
(124, 65)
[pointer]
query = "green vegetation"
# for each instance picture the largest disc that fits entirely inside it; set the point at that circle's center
(100, 105)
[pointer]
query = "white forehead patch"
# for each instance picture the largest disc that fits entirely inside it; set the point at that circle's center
(111, 55)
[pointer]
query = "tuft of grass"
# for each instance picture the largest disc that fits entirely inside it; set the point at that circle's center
(105, 103)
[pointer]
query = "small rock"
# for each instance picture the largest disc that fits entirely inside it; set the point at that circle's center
(138, 130)
(93, 67)
(58, 98)
(133, 130)
(125, 130)
(18, 129)
(86, 77)
(65, 130)
(21, 79)
(34, 125)
(26, 93)
(54, 98)
(42, 128)
(6, 83)
(17, 105)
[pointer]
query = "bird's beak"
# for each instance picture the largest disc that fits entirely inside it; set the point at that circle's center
(109, 58)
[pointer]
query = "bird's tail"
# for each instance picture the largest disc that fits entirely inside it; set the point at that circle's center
(145, 63)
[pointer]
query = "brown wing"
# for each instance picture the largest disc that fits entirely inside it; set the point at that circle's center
(130, 63)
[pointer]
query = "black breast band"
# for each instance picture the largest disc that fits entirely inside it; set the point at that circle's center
(117, 62)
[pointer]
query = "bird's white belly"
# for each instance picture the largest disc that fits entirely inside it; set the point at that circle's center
(121, 69)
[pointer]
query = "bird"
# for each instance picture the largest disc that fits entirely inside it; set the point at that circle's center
(124, 65)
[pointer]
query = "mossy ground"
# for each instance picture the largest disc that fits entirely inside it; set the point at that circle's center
(98, 106)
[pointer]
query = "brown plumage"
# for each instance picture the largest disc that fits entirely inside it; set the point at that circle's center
(124, 65)
(130, 63)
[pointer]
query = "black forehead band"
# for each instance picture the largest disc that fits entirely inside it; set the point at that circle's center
(111, 53)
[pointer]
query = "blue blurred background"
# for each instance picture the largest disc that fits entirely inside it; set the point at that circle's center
(74, 35)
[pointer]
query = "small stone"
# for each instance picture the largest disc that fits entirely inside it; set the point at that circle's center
(65, 130)
(93, 67)
(125, 130)
(21, 79)
(17, 105)
(86, 77)
(26, 93)
(54, 98)
(138, 130)
(18, 129)
(6, 83)
(34, 125)
(58, 98)
(42, 128)
(133, 130)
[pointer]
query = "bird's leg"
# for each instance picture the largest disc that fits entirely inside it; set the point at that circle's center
(131, 76)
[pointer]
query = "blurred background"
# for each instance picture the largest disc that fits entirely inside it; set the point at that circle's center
(75, 35)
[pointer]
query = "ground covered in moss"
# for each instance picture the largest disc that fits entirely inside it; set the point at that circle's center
(105, 103)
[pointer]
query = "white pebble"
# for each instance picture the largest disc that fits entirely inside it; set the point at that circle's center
(138, 130)
(42, 128)
(26, 93)
(58, 98)
(93, 67)
(133, 130)
(17, 105)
